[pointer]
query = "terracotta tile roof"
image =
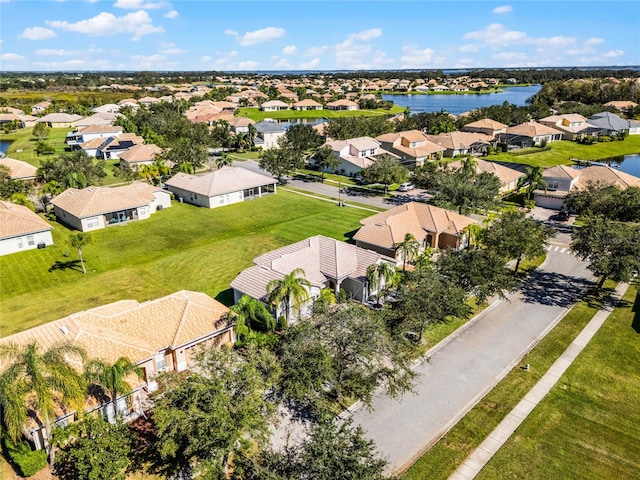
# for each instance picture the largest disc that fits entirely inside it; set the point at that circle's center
(487, 123)
(60, 118)
(388, 229)
(505, 174)
(606, 175)
(532, 129)
(241, 122)
(342, 103)
(131, 329)
(320, 257)
(93, 201)
(459, 140)
(17, 111)
(307, 102)
(89, 129)
(141, 153)
(94, 143)
(275, 103)
(19, 170)
(561, 171)
(221, 181)
(16, 220)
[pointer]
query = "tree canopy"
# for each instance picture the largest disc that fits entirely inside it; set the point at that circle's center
(464, 192)
(72, 170)
(606, 200)
(385, 170)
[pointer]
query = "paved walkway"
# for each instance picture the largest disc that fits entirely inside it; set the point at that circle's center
(488, 448)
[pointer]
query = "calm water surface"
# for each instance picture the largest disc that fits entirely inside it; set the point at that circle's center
(457, 104)
(629, 164)
(4, 145)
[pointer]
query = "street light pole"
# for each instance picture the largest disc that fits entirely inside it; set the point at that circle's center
(339, 193)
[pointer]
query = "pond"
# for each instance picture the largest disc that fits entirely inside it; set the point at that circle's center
(4, 146)
(628, 163)
(464, 102)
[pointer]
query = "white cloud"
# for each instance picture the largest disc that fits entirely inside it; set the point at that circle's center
(284, 64)
(247, 65)
(75, 64)
(138, 4)
(503, 9)
(496, 35)
(613, 53)
(136, 23)
(365, 35)
(414, 57)
(37, 33)
(12, 56)
(205, 59)
(233, 53)
(594, 41)
(290, 50)
(510, 57)
(315, 51)
(309, 65)
(469, 48)
(148, 61)
(173, 51)
(231, 33)
(171, 14)
(261, 36)
(554, 42)
(51, 52)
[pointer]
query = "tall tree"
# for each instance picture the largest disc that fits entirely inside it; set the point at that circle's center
(386, 170)
(79, 241)
(112, 378)
(606, 200)
(291, 292)
(516, 237)
(41, 380)
(408, 250)
(303, 138)
(281, 162)
(468, 166)
(325, 160)
(207, 419)
(464, 192)
(72, 170)
(251, 314)
(156, 173)
(533, 180)
(611, 248)
(379, 275)
(41, 131)
(185, 156)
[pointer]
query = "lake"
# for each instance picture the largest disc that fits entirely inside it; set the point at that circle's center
(460, 103)
(628, 163)
(4, 145)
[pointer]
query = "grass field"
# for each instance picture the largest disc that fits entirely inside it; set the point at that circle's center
(183, 247)
(561, 152)
(443, 458)
(258, 115)
(588, 426)
(24, 144)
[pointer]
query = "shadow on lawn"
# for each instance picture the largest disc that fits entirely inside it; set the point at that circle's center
(68, 265)
(635, 324)
(225, 297)
(555, 289)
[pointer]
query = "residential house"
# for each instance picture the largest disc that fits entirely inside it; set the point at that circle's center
(140, 155)
(411, 146)
(128, 102)
(607, 123)
(19, 170)
(40, 107)
(158, 335)
(621, 105)
(112, 147)
(342, 105)
(221, 187)
(147, 101)
(93, 208)
(108, 108)
(240, 124)
(572, 125)
(487, 126)
(84, 134)
(274, 106)
(21, 229)
(529, 134)
(564, 179)
(11, 117)
(99, 118)
(307, 104)
(356, 154)
(462, 143)
(269, 133)
(326, 262)
(509, 177)
(60, 120)
(431, 226)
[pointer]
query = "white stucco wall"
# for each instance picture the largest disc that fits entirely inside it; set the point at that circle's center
(25, 242)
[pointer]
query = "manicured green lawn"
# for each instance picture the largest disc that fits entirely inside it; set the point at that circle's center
(444, 457)
(562, 151)
(183, 247)
(24, 144)
(588, 426)
(258, 115)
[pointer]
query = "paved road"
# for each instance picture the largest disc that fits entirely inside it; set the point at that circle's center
(467, 367)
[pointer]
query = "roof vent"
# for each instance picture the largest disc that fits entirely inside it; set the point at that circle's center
(64, 330)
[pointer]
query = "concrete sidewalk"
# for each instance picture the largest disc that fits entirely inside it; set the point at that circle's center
(488, 448)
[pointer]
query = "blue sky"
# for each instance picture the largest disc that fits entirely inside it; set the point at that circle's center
(315, 35)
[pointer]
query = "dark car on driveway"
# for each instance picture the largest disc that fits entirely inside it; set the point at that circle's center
(562, 215)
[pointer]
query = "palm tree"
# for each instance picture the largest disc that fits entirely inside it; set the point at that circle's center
(79, 241)
(408, 250)
(468, 166)
(39, 381)
(533, 179)
(292, 291)
(222, 161)
(253, 315)
(379, 275)
(112, 378)
(251, 133)
(473, 231)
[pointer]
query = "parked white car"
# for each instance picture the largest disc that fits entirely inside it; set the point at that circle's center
(405, 187)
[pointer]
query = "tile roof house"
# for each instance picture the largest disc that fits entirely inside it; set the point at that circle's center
(432, 226)
(240, 124)
(100, 118)
(157, 335)
(274, 106)
(139, 155)
(112, 147)
(564, 179)
(19, 170)
(40, 107)
(486, 126)
(508, 176)
(326, 262)
(572, 125)
(461, 143)
(269, 133)
(107, 108)
(93, 208)
(60, 120)
(356, 154)
(621, 105)
(221, 187)
(86, 133)
(411, 146)
(307, 104)
(342, 105)
(530, 134)
(21, 229)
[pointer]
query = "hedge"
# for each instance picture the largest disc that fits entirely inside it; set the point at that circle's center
(28, 461)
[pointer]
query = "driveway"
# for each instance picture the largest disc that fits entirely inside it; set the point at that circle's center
(464, 369)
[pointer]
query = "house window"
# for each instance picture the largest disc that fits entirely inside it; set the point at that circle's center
(20, 244)
(30, 241)
(143, 210)
(161, 362)
(553, 185)
(93, 222)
